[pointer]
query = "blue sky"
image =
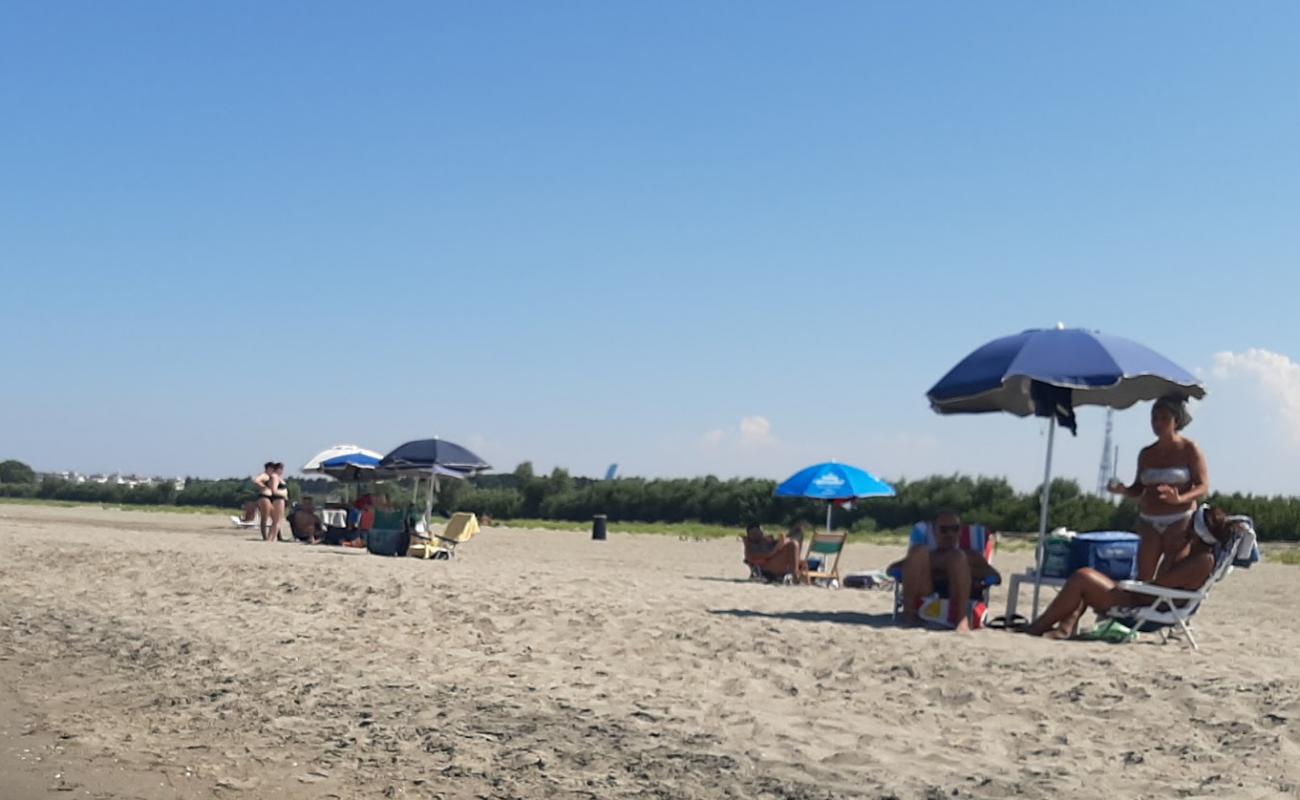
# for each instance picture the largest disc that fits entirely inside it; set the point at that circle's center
(729, 237)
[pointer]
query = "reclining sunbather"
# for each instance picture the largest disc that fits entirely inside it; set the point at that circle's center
(774, 558)
(1088, 588)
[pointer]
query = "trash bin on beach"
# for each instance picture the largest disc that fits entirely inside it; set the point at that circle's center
(598, 528)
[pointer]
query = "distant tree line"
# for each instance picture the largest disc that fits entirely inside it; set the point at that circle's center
(992, 501)
(523, 494)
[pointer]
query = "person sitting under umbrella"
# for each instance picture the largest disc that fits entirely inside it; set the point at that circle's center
(1088, 588)
(305, 525)
(947, 569)
(773, 558)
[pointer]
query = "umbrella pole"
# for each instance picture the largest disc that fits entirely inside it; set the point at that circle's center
(1042, 516)
(829, 506)
(428, 503)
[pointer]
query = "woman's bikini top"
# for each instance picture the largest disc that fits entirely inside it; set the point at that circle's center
(1154, 476)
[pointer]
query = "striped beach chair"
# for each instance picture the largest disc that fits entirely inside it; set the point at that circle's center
(975, 538)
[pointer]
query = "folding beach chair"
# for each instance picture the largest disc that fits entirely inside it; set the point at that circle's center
(442, 545)
(827, 546)
(1174, 608)
(975, 538)
(250, 517)
(760, 575)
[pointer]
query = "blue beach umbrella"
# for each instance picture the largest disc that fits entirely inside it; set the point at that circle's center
(425, 454)
(1046, 373)
(436, 457)
(832, 481)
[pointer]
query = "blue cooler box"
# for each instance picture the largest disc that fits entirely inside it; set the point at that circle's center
(1112, 553)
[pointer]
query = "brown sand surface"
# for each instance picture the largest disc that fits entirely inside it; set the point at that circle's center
(147, 655)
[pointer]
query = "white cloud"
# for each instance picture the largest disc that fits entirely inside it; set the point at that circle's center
(755, 431)
(1276, 379)
(750, 432)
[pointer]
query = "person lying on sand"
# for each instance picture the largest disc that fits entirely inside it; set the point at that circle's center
(1088, 588)
(947, 569)
(773, 557)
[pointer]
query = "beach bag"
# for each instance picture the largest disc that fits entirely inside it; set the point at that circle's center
(1058, 548)
(870, 579)
(388, 542)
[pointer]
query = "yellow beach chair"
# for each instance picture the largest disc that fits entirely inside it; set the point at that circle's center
(442, 545)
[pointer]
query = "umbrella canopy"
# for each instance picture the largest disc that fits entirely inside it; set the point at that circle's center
(1091, 368)
(435, 456)
(426, 454)
(356, 467)
(1047, 372)
(339, 451)
(832, 481)
(351, 460)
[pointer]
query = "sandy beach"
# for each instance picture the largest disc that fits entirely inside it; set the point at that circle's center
(152, 655)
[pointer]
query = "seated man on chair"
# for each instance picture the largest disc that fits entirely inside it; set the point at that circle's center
(773, 558)
(947, 569)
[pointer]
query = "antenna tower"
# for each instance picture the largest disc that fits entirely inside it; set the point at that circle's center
(1107, 467)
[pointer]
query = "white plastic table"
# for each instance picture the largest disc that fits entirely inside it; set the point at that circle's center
(1013, 587)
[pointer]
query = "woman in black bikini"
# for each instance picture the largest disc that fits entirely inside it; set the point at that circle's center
(265, 496)
(279, 500)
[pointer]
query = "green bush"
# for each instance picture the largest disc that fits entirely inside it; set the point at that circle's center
(12, 471)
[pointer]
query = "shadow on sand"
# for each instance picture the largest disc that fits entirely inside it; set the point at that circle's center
(838, 617)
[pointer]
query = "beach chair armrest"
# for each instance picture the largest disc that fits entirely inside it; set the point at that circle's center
(1151, 589)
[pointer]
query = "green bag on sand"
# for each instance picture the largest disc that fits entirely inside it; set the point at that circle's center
(1112, 631)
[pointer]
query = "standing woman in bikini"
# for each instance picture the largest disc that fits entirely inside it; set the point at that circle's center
(279, 500)
(265, 497)
(1172, 478)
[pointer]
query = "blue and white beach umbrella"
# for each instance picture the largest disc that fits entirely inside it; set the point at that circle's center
(355, 467)
(832, 481)
(346, 462)
(341, 454)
